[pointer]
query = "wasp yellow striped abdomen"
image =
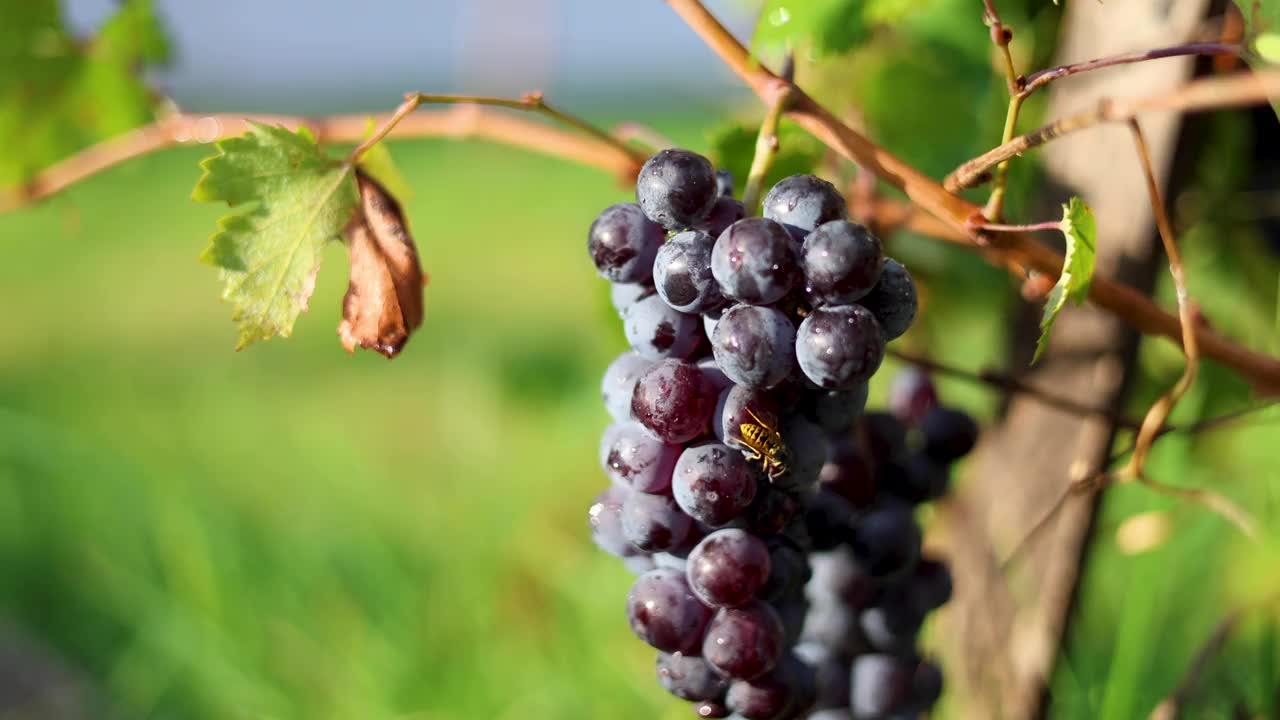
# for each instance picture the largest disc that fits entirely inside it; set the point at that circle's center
(765, 443)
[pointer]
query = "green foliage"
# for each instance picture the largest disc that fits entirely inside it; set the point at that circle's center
(826, 26)
(734, 145)
(1077, 267)
(1262, 32)
(299, 200)
(59, 93)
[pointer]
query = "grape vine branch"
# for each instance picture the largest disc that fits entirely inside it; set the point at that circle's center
(1261, 370)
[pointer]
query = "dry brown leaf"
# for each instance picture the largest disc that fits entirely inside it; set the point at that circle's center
(383, 304)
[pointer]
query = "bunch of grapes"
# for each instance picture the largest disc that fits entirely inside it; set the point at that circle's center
(767, 516)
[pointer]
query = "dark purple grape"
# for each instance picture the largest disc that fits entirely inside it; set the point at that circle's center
(848, 473)
(833, 713)
(828, 518)
(754, 346)
(948, 434)
(770, 512)
(885, 435)
(792, 610)
(656, 331)
(724, 183)
(710, 709)
(623, 243)
(788, 570)
(689, 677)
(830, 675)
(728, 567)
(674, 401)
(665, 613)
(719, 381)
(841, 262)
(741, 405)
(926, 686)
(619, 383)
(636, 458)
(880, 685)
(755, 261)
(838, 579)
(893, 301)
(712, 483)
(765, 698)
(836, 627)
(654, 522)
(836, 411)
(892, 626)
(839, 346)
(806, 453)
(682, 273)
(915, 478)
(744, 642)
(724, 213)
(624, 295)
(886, 541)
(804, 201)
(605, 519)
(912, 395)
(676, 188)
(929, 586)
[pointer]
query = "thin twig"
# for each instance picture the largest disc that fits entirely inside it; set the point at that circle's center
(1005, 249)
(1055, 225)
(1235, 90)
(1011, 384)
(1001, 36)
(1040, 78)
(766, 151)
(460, 121)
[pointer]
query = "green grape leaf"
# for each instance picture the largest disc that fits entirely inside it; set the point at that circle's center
(734, 145)
(1262, 35)
(1077, 267)
(825, 26)
(58, 93)
(295, 200)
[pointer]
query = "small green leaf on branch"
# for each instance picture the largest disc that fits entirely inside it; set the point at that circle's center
(293, 200)
(1077, 267)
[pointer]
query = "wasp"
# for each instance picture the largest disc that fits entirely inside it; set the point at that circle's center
(765, 443)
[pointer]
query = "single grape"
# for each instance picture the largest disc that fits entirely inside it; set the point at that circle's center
(767, 697)
(841, 262)
(740, 405)
(885, 541)
(893, 300)
(676, 188)
(836, 411)
(754, 346)
(724, 183)
(637, 459)
(839, 346)
(755, 261)
(743, 642)
(848, 473)
(806, 453)
(724, 213)
(838, 579)
(712, 483)
(788, 570)
(665, 613)
(841, 713)
(830, 675)
(885, 434)
(657, 331)
(689, 677)
(804, 201)
(682, 273)
(926, 686)
(828, 519)
(719, 381)
(619, 383)
(623, 243)
(728, 567)
(792, 610)
(673, 400)
(653, 522)
(915, 478)
(624, 295)
(770, 512)
(948, 434)
(929, 586)
(881, 685)
(605, 519)
(912, 395)
(834, 626)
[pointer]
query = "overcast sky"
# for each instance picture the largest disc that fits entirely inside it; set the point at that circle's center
(286, 55)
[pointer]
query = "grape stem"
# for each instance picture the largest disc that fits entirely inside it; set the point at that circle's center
(766, 150)
(1040, 78)
(1012, 250)
(1001, 36)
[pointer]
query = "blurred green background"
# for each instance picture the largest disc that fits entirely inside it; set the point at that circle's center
(292, 532)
